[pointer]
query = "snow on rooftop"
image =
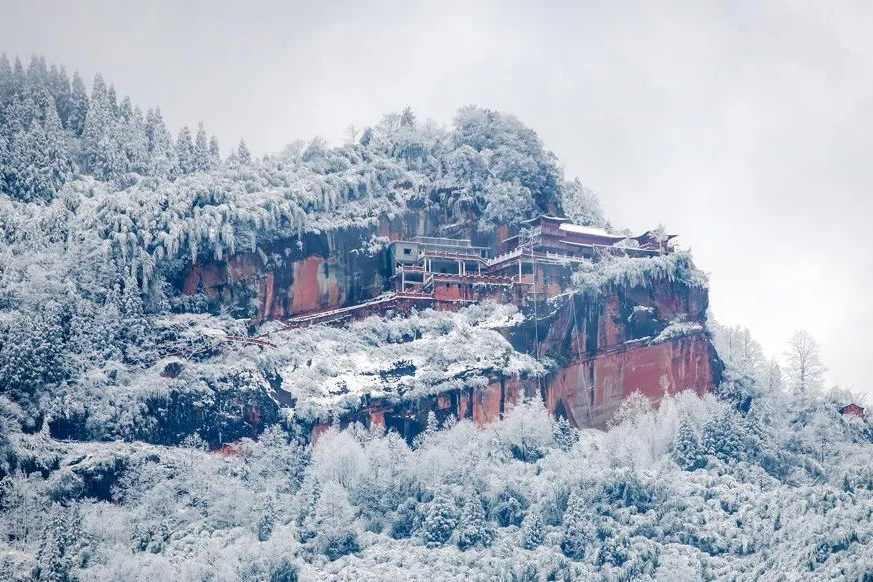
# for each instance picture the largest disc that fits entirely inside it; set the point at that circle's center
(579, 229)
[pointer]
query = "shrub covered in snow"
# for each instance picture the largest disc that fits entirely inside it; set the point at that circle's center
(362, 504)
(597, 277)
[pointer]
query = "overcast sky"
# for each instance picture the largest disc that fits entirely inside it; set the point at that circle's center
(745, 127)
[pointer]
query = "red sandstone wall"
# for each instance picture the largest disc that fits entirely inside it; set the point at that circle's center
(313, 283)
(670, 367)
(321, 271)
(654, 370)
(599, 367)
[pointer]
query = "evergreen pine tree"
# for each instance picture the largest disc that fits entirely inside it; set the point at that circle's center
(112, 99)
(53, 563)
(37, 74)
(214, 153)
(185, 159)
(686, 446)
(723, 436)
(406, 519)
(30, 358)
(577, 531)
(242, 153)
(6, 85)
(60, 89)
(135, 332)
(432, 423)
(439, 521)
(710, 439)
(734, 435)
(78, 110)
(19, 78)
(266, 521)
(138, 154)
(755, 436)
(103, 155)
(533, 529)
(106, 326)
(4, 163)
(162, 159)
(19, 114)
(565, 435)
(201, 150)
(130, 133)
(38, 164)
(57, 165)
(473, 529)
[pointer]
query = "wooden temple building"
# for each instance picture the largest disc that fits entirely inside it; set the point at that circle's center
(533, 263)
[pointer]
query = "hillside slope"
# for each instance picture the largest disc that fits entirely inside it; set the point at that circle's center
(162, 418)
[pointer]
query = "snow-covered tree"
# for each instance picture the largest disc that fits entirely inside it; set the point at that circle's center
(772, 378)
(439, 521)
(53, 561)
(686, 447)
(406, 519)
(578, 537)
(242, 154)
(59, 87)
(79, 104)
(565, 435)
(803, 364)
(131, 134)
(723, 435)
(36, 163)
(185, 157)
(104, 155)
(29, 357)
(214, 153)
(473, 528)
(162, 156)
(201, 150)
(266, 521)
(533, 529)
(581, 204)
(333, 522)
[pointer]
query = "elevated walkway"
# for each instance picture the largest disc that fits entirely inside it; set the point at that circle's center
(377, 305)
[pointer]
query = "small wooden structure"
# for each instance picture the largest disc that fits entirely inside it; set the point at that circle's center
(852, 409)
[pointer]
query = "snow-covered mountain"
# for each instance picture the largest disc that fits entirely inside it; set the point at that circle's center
(216, 369)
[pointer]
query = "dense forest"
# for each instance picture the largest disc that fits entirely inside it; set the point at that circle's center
(95, 229)
(102, 480)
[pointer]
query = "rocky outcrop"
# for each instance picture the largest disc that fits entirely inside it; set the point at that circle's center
(320, 271)
(589, 391)
(602, 346)
(619, 342)
(602, 349)
(219, 411)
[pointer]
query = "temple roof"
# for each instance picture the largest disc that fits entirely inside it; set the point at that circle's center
(590, 230)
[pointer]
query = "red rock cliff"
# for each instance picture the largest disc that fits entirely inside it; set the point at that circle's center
(604, 348)
(320, 270)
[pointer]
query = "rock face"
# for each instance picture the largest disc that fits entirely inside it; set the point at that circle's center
(228, 409)
(320, 271)
(604, 346)
(612, 345)
(589, 391)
